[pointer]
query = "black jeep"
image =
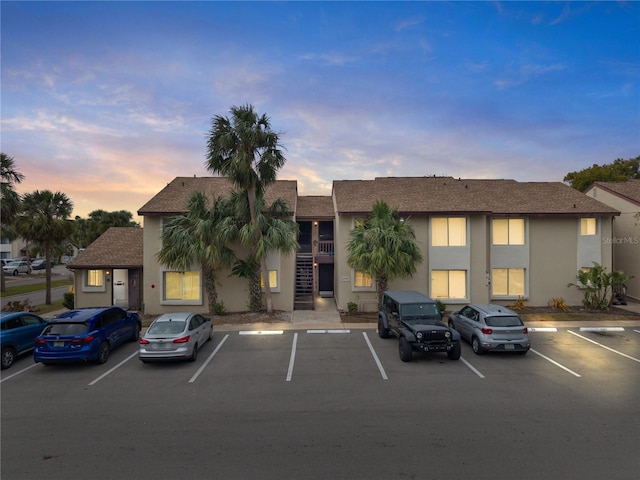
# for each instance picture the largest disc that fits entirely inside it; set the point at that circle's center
(415, 319)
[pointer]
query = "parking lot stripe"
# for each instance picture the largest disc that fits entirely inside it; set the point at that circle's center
(209, 358)
(637, 331)
(473, 369)
(375, 356)
(604, 346)
(261, 332)
(293, 356)
(18, 372)
(114, 368)
(543, 329)
(601, 329)
(329, 331)
(555, 363)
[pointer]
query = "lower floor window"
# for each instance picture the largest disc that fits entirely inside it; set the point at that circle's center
(449, 284)
(182, 285)
(95, 278)
(507, 282)
(362, 280)
(273, 279)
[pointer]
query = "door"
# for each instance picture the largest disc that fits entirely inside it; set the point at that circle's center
(325, 279)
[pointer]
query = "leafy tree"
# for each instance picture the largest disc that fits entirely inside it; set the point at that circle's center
(99, 221)
(383, 246)
(277, 232)
(44, 221)
(617, 171)
(246, 150)
(196, 237)
(599, 287)
(9, 201)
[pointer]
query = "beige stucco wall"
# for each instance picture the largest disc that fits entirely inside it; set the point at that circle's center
(232, 290)
(625, 238)
(84, 299)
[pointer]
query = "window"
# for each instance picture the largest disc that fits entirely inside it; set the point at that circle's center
(95, 278)
(449, 232)
(587, 226)
(181, 285)
(508, 231)
(273, 279)
(449, 283)
(363, 280)
(507, 282)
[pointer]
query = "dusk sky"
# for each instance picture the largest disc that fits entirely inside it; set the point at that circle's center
(107, 102)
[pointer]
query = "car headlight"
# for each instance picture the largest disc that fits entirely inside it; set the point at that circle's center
(447, 334)
(419, 335)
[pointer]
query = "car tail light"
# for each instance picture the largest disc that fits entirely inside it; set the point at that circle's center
(40, 341)
(525, 330)
(182, 339)
(487, 331)
(87, 339)
(143, 341)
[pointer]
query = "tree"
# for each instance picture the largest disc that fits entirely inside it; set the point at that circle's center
(384, 247)
(44, 221)
(277, 232)
(9, 201)
(197, 236)
(99, 221)
(248, 152)
(618, 171)
(598, 286)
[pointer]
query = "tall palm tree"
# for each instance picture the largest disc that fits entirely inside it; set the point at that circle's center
(199, 236)
(9, 201)
(248, 152)
(44, 220)
(277, 232)
(383, 246)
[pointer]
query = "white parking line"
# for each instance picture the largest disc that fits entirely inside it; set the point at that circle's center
(18, 372)
(329, 331)
(375, 357)
(637, 331)
(601, 329)
(261, 332)
(604, 346)
(114, 368)
(543, 329)
(555, 363)
(209, 358)
(473, 369)
(293, 356)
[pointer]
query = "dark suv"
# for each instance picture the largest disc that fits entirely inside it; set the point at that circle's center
(416, 320)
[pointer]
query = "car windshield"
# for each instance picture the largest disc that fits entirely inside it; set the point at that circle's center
(420, 311)
(65, 329)
(504, 321)
(167, 327)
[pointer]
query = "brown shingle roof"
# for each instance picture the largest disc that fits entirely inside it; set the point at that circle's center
(437, 195)
(173, 199)
(629, 189)
(314, 207)
(118, 247)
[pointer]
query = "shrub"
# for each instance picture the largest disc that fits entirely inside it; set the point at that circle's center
(219, 308)
(352, 307)
(558, 302)
(442, 308)
(519, 304)
(68, 301)
(599, 286)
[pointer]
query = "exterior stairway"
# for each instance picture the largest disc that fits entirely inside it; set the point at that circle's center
(304, 282)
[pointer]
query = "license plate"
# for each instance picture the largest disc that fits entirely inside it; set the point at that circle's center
(509, 346)
(58, 344)
(160, 346)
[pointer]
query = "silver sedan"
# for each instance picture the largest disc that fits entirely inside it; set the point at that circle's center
(175, 336)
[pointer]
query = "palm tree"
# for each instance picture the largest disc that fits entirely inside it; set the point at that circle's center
(248, 152)
(277, 232)
(10, 201)
(199, 236)
(44, 221)
(383, 246)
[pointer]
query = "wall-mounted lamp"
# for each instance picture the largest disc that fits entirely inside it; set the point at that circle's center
(315, 224)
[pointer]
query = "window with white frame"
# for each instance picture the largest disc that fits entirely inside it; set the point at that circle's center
(507, 282)
(508, 231)
(449, 284)
(95, 278)
(449, 231)
(273, 279)
(587, 226)
(362, 280)
(181, 286)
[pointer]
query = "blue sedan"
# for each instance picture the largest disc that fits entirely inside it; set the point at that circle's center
(18, 332)
(86, 335)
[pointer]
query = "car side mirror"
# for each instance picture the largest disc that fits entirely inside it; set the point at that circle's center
(395, 315)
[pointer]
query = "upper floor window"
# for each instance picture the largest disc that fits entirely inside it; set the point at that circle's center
(587, 226)
(181, 286)
(449, 232)
(508, 231)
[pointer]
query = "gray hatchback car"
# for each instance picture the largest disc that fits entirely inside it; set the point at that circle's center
(491, 327)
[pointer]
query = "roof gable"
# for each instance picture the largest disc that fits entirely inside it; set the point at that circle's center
(118, 247)
(629, 189)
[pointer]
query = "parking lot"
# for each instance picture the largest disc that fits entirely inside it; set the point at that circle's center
(332, 403)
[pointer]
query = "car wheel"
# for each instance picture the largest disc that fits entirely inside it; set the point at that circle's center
(475, 345)
(8, 357)
(103, 353)
(382, 332)
(406, 352)
(15, 273)
(455, 352)
(211, 334)
(194, 354)
(451, 325)
(135, 336)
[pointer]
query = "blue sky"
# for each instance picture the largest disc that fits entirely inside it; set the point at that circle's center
(107, 102)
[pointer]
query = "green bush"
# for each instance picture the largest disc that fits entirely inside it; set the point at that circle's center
(352, 307)
(68, 301)
(219, 308)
